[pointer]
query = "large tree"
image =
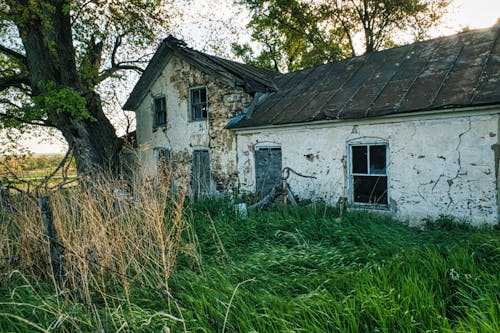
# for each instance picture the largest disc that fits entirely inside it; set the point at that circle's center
(292, 34)
(54, 54)
(298, 33)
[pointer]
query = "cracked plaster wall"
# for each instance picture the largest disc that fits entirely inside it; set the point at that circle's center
(437, 165)
(181, 135)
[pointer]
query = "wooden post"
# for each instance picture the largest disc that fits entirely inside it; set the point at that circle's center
(283, 190)
(4, 197)
(56, 253)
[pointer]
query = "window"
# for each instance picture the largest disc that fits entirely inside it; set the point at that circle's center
(198, 98)
(368, 173)
(162, 158)
(159, 111)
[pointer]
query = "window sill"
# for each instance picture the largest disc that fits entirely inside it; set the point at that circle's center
(159, 127)
(367, 206)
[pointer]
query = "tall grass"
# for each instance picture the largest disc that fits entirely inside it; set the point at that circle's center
(160, 264)
(312, 271)
(110, 243)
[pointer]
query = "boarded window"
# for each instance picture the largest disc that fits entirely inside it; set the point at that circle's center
(267, 169)
(200, 173)
(368, 174)
(199, 103)
(159, 111)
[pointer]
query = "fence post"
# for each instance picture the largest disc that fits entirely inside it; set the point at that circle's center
(56, 253)
(4, 197)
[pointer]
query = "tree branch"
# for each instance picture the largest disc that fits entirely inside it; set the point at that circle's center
(110, 71)
(24, 121)
(53, 173)
(16, 81)
(13, 54)
(9, 102)
(118, 42)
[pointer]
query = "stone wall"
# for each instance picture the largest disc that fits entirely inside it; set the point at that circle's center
(182, 136)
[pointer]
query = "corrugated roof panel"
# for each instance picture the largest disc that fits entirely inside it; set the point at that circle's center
(335, 105)
(416, 60)
(336, 73)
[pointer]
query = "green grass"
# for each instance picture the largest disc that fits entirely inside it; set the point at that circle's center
(301, 269)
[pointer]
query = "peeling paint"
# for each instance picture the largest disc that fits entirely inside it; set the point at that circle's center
(181, 135)
(436, 166)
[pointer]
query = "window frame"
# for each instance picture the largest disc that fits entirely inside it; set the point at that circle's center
(160, 152)
(367, 142)
(156, 124)
(201, 104)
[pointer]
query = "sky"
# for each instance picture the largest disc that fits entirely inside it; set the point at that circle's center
(462, 13)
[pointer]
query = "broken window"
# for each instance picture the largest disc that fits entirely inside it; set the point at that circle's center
(368, 173)
(199, 102)
(159, 111)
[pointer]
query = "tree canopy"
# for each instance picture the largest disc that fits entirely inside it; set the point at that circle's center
(296, 34)
(55, 53)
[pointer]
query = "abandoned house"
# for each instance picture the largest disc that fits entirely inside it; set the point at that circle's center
(412, 130)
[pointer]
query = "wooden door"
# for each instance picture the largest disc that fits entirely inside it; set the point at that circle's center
(268, 169)
(200, 174)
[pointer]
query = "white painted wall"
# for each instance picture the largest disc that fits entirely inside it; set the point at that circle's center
(181, 135)
(438, 164)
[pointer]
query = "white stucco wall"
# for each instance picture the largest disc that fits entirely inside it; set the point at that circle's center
(438, 164)
(181, 135)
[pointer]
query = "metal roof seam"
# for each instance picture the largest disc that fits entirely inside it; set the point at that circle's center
(485, 65)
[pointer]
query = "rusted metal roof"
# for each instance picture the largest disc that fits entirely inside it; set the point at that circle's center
(235, 74)
(462, 70)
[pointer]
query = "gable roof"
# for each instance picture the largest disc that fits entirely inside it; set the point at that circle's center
(462, 70)
(233, 73)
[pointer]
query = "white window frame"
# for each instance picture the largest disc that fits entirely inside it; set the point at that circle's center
(191, 113)
(367, 142)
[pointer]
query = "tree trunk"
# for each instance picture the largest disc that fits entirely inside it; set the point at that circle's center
(94, 143)
(50, 55)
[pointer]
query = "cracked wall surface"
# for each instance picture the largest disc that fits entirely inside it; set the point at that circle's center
(436, 165)
(182, 136)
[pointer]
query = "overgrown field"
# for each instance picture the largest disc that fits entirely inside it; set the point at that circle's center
(299, 269)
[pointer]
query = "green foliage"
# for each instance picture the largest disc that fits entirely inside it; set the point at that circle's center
(299, 34)
(314, 271)
(55, 54)
(293, 36)
(55, 100)
(61, 100)
(290, 269)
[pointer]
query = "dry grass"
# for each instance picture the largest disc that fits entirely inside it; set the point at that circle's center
(109, 240)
